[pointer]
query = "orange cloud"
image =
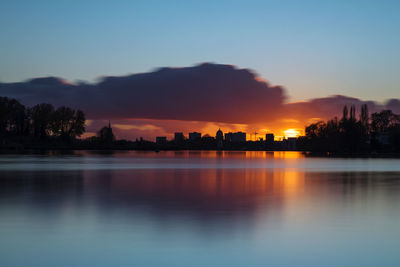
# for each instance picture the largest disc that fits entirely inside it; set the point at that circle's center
(146, 127)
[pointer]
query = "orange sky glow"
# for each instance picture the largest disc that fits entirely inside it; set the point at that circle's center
(149, 129)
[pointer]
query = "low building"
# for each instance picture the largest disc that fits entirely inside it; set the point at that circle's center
(194, 136)
(290, 143)
(383, 138)
(179, 137)
(269, 138)
(228, 137)
(269, 141)
(161, 140)
(106, 134)
(238, 137)
(207, 139)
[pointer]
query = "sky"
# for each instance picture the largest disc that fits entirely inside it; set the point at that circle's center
(312, 48)
(277, 66)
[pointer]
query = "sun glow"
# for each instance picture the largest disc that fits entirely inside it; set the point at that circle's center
(291, 133)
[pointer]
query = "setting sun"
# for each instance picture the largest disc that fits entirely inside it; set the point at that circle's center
(291, 133)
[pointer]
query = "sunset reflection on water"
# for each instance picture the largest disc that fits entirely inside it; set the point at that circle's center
(107, 209)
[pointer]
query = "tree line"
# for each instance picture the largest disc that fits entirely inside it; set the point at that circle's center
(363, 133)
(38, 123)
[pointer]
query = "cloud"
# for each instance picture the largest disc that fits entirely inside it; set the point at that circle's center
(206, 92)
(394, 105)
(329, 107)
(199, 98)
(146, 127)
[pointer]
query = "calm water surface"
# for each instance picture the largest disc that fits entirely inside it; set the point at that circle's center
(198, 209)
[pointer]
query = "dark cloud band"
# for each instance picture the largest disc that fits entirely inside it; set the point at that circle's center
(206, 92)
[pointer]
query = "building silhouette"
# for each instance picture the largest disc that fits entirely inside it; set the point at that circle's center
(106, 134)
(179, 137)
(219, 137)
(289, 143)
(238, 137)
(207, 139)
(228, 137)
(161, 140)
(194, 137)
(269, 140)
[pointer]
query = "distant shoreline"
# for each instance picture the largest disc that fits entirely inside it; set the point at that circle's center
(100, 150)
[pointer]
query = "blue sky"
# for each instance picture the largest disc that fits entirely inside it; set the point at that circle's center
(313, 48)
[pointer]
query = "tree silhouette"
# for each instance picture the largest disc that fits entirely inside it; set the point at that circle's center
(41, 120)
(364, 118)
(20, 124)
(12, 116)
(384, 120)
(67, 123)
(350, 135)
